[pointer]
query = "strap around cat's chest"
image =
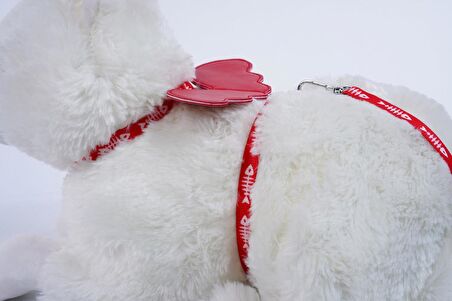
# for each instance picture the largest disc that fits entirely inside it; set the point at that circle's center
(250, 163)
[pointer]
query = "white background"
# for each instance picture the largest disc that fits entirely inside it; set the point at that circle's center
(398, 42)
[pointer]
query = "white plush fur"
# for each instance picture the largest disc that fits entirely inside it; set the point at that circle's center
(350, 203)
(73, 72)
(234, 291)
(364, 206)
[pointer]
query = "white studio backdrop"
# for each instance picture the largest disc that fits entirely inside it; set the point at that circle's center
(400, 42)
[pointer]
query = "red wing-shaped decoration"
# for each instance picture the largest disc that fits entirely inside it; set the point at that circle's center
(221, 83)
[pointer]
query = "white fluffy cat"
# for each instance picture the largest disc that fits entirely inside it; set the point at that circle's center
(350, 203)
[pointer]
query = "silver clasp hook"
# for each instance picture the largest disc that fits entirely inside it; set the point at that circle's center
(335, 90)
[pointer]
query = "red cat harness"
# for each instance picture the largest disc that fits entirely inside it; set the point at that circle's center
(226, 82)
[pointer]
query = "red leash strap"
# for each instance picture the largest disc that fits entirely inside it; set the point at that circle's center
(428, 134)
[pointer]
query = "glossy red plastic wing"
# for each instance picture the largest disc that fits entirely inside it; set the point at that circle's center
(221, 83)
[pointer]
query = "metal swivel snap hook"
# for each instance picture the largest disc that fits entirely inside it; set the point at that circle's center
(335, 90)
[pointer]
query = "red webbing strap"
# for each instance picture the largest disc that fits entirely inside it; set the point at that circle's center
(131, 131)
(248, 173)
(428, 133)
